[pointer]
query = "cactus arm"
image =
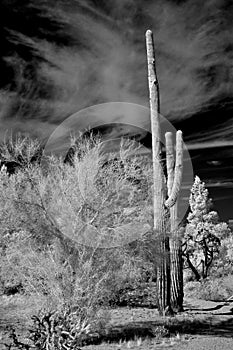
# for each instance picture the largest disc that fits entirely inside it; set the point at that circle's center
(169, 161)
(178, 171)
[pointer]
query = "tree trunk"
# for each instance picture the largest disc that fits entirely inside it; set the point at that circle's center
(194, 270)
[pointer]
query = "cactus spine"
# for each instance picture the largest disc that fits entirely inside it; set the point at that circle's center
(161, 204)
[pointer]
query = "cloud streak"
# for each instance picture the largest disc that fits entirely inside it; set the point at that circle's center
(108, 63)
(210, 144)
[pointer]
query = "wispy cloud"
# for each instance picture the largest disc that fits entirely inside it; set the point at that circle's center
(211, 144)
(220, 184)
(193, 41)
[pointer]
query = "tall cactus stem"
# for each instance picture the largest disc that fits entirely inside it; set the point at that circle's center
(158, 181)
(175, 243)
(159, 186)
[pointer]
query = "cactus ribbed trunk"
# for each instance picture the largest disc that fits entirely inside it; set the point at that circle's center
(177, 292)
(163, 278)
(175, 242)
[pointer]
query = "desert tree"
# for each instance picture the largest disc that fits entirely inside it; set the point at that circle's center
(75, 209)
(204, 231)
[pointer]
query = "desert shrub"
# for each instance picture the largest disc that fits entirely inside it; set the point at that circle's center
(10, 282)
(99, 275)
(210, 289)
(188, 276)
(160, 332)
(20, 151)
(45, 273)
(224, 263)
(132, 280)
(46, 214)
(61, 329)
(191, 289)
(221, 269)
(213, 289)
(136, 295)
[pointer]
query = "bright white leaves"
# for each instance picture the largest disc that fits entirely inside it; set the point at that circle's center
(103, 199)
(204, 231)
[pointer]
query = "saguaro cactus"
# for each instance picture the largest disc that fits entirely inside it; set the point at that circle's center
(175, 243)
(161, 204)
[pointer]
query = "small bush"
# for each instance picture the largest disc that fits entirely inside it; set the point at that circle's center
(214, 290)
(60, 329)
(137, 295)
(188, 276)
(192, 289)
(10, 282)
(160, 332)
(221, 268)
(210, 289)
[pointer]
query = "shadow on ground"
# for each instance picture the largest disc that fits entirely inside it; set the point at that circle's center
(210, 326)
(196, 320)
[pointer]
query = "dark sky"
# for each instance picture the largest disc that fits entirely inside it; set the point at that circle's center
(58, 57)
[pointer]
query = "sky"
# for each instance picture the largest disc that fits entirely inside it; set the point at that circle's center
(59, 57)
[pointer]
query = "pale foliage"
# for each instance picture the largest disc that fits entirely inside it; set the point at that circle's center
(44, 215)
(227, 243)
(203, 232)
(96, 200)
(20, 149)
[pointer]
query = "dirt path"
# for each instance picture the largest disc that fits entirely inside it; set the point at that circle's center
(215, 332)
(206, 343)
